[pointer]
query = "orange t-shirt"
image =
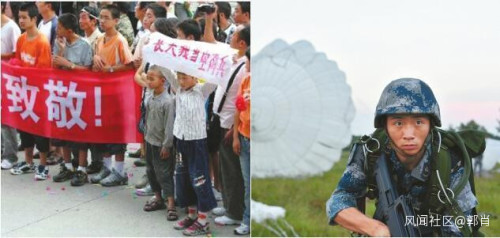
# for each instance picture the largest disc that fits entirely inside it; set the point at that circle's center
(115, 51)
(34, 53)
(244, 91)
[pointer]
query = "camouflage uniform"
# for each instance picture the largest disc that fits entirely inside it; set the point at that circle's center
(399, 98)
(124, 26)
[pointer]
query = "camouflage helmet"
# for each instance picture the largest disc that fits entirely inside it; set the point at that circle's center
(407, 96)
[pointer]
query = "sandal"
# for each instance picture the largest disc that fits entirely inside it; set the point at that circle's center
(154, 205)
(172, 214)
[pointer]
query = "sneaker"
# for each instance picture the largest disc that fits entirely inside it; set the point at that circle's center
(197, 229)
(136, 154)
(146, 191)
(184, 223)
(242, 230)
(142, 182)
(219, 211)
(74, 162)
(114, 179)
(217, 194)
(94, 167)
(64, 174)
(52, 160)
(6, 164)
(23, 168)
(140, 163)
(79, 179)
(42, 172)
(225, 220)
(101, 175)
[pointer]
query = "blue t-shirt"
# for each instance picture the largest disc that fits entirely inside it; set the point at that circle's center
(79, 53)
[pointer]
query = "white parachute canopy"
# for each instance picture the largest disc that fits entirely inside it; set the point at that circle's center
(301, 111)
(491, 154)
(262, 212)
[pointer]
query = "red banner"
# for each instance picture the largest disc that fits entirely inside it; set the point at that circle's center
(80, 106)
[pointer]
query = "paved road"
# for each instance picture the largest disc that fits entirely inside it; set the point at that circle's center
(45, 208)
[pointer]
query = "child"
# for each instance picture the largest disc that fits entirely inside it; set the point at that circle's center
(193, 183)
(71, 52)
(152, 12)
(33, 50)
(112, 54)
(241, 142)
(166, 27)
(160, 110)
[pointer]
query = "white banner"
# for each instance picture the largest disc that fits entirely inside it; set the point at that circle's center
(208, 61)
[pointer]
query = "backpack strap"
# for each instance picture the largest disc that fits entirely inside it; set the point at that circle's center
(439, 183)
(372, 149)
(221, 104)
(440, 196)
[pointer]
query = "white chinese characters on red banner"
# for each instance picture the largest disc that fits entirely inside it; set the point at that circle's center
(208, 61)
(83, 107)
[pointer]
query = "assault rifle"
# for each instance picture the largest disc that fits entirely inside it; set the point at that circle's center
(392, 208)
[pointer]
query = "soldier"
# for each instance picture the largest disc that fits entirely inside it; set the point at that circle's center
(409, 114)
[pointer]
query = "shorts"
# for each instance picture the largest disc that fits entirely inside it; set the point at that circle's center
(29, 140)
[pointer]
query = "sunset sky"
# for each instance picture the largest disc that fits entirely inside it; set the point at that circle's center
(454, 46)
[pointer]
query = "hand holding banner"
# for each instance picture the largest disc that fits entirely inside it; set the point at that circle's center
(208, 61)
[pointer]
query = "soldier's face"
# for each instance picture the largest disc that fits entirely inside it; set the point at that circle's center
(408, 134)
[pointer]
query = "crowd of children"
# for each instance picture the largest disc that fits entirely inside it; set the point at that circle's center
(196, 132)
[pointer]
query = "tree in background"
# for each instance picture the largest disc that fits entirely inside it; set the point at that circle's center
(471, 125)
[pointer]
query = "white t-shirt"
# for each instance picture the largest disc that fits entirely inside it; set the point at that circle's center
(92, 39)
(229, 108)
(171, 15)
(229, 32)
(138, 48)
(10, 33)
(45, 28)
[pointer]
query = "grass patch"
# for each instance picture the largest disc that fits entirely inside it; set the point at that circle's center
(304, 201)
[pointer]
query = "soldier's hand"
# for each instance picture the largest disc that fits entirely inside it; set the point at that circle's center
(379, 229)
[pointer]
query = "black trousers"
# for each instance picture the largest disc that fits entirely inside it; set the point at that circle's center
(233, 188)
(160, 171)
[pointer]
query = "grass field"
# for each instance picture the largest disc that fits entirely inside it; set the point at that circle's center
(304, 201)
